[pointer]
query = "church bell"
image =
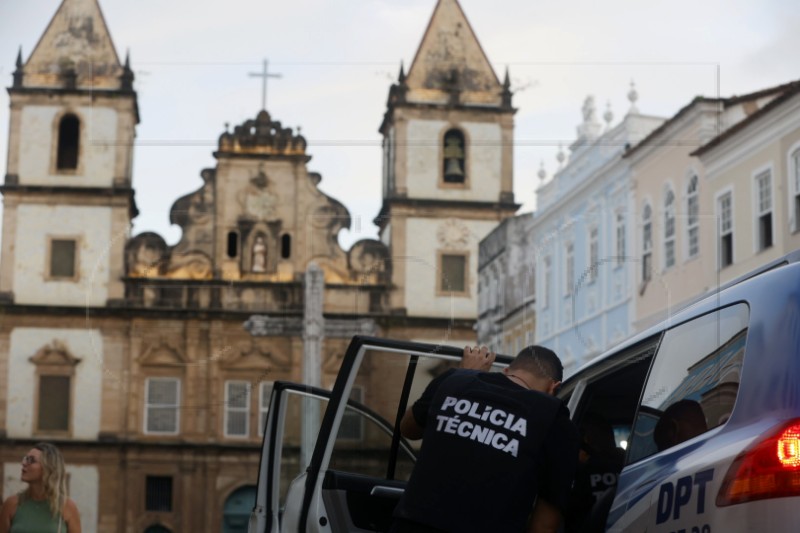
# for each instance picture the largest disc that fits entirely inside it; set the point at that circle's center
(453, 168)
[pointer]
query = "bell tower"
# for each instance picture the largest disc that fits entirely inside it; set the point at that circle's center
(447, 173)
(67, 195)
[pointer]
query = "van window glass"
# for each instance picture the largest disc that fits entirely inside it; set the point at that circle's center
(693, 383)
(365, 445)
(301, 427)
(604, 415)
(614, 392)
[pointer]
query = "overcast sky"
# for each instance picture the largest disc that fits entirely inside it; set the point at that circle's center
(337, 59)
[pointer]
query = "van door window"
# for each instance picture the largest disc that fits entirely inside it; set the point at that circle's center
(301, 426)
(693, 384)
(370, 461)
(366, 448)
(604, 412)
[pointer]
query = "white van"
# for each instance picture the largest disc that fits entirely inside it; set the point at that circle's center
(704, 409)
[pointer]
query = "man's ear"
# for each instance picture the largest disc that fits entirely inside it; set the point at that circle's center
(554, 388)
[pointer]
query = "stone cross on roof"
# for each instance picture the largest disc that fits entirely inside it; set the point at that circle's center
(264, 75)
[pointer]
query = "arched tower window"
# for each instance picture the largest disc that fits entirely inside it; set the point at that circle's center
(69, 134)
(454, 157)
(286, 246)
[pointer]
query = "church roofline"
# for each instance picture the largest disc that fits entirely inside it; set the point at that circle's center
(55, 16)
(792, 90)
(262, 138)
(670, 122)
(469, 27)
(222, 154)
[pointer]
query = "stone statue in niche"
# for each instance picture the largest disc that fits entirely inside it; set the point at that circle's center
(259, 255)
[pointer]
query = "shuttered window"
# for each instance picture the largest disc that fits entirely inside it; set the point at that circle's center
(162, 403)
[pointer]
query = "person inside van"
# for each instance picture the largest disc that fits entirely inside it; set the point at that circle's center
(679, 422)
(600, 462)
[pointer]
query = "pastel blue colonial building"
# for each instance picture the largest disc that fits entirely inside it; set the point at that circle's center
(578, 243)
(581, 234)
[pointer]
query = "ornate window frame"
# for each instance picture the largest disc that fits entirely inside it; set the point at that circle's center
(721, 230)
(763, 174)
(229, 409)
(440, 289)
(54, 359)
(161, 360)
(76, 272)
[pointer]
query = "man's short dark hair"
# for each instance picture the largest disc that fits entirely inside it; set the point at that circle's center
(540, 361)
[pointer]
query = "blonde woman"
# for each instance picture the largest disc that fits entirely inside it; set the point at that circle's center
(43, 507)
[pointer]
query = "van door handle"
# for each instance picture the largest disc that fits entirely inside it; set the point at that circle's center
(386, 492)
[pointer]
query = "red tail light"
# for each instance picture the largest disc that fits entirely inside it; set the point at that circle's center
(770, 468)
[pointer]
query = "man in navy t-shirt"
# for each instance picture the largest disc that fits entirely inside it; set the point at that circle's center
(493, 445)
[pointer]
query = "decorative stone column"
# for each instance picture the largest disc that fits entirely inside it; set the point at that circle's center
(313, 325)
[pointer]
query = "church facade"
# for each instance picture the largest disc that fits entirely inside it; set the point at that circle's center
(151, 364)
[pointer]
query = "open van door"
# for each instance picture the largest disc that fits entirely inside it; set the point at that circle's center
(335, 461)
(282, 451)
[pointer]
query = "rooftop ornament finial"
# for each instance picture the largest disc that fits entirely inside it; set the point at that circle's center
(397, 92)
(608, 116)
(633, 96)
(590, 128)
(589, 110)
(561, 156)
(507, 94)
(127, 73)
(18, 72)
(263, 137)
(542, 172)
